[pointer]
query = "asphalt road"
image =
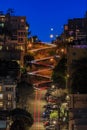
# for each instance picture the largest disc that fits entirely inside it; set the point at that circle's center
(37, 109)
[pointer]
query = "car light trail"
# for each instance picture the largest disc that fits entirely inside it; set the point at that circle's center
(39, 98)
(35, 106)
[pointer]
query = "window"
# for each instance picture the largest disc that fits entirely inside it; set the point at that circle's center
(9, 89)
(1, 96)
(1, 46)
(14, 20)
(22, 20)
(0, 88)
(1, 104)
(9, 103)
(20, 40)
(9, 96)
(2, 25)
(74, 53)
(3, 19)
(13, 38)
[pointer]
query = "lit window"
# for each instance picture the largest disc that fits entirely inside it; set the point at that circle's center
(2, 19)
(9, 103)
(9, 96)
(1, 104)
(22, 20)
(1, 96)
(0, 88)
(2, 24)
(0, 47)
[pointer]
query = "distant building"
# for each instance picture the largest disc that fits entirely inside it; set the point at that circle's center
(7, 94)
(14, 28)
(13, 35)
(76, 29)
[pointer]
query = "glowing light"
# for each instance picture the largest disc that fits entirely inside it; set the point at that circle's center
(30, 45)
(51, 35)
(51, 29)
(62, 50)
(39, 109)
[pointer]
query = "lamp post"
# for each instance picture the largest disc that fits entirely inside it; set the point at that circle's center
(66, 78)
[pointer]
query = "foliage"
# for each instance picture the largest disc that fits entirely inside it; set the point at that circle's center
(24, 92)
(54, 115)
(10, 68)
(17, 125)
(59, 73)
(21, 119)
(27, 60)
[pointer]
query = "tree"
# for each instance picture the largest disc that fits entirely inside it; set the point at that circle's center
(27, 60)
(17, 125)
(21, 119)
(59, 73)
(25, 91)
(10, 68)
(34, 39)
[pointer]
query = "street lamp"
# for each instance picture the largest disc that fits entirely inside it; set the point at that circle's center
(52, 35)
(53, 86)
(29, 45)
(67, 76)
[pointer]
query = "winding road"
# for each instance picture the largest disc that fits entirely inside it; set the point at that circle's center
(40, 91)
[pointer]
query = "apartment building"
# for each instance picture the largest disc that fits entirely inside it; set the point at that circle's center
(7, 93)
(14, 28)
(78, 102)
(13, 36)
(76, 29)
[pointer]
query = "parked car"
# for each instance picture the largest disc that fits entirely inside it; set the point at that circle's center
(50, 127)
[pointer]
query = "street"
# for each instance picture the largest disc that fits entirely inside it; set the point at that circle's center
(37, 106)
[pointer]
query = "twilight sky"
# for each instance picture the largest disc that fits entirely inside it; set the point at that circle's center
(42, 15)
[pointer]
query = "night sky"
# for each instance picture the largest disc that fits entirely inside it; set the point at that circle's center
(42, 15)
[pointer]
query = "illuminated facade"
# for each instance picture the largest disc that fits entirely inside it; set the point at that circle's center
(76, 29)
(7, 94)
(14, 29)
(13, 35)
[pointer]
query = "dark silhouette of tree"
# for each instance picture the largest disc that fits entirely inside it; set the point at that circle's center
(21, 119)
(59, 73)
(27, 60)
(25, 91)
(10, 11)
(9, 68)
(18, 125)
(34, 39)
